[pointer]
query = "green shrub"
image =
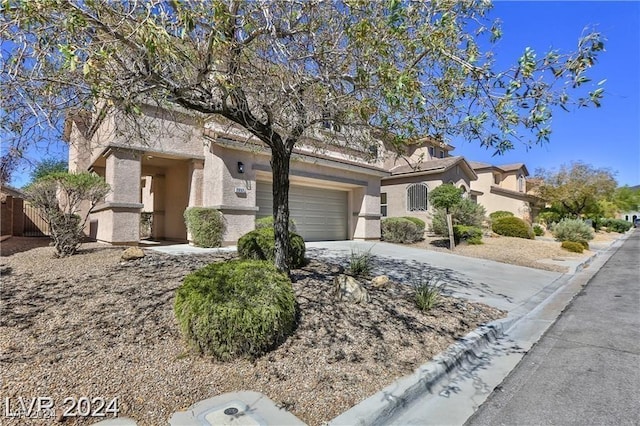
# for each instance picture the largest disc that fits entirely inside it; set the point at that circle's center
(400, 230)
(360, 264)
(466, 213)
(500, 214)
(267, 222)
(617, 225)
(206, 226)
(537, 230)
(260, 244)
(511, 226)
(549, 218)
(427, 295)
(573, 230)
(468, 234)
(236, 308)
(418, 222)
(572, 246)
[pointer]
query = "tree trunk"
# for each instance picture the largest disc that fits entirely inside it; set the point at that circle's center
(452, 242)
(280, 170)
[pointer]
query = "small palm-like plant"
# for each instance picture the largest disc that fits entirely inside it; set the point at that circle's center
(360, 264)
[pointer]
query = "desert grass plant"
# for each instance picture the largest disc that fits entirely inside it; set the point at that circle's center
(206, 226)
(538, 231)
(510, 226)
(572, 246)
(260, 245)
(428, 294)
(235, 309)
(573, 230)
(360, 263)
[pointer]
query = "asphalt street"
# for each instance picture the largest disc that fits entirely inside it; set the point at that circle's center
(585, 369)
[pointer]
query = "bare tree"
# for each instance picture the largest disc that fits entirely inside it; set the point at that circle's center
(282, 68)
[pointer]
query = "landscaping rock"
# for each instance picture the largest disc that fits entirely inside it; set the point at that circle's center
(132, 253)
(380, 281)
(349, 289)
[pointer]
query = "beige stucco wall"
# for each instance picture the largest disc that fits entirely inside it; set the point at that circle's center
(495, 201)
(396, 190)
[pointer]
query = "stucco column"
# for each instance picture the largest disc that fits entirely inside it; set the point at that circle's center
(119, 217)
(196, 179)
(366, 211)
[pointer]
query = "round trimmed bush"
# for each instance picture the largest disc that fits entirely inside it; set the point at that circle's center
(573, 230)
(400, 230)
(235, 309)
(511, 226)
(420, 224)
(260, 244)
(500, 214)
(205, 225)
(469, 234)
(572, 246)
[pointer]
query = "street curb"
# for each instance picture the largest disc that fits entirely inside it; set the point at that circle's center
(383, 406)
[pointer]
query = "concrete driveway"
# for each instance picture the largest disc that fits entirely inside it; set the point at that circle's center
(508, 287)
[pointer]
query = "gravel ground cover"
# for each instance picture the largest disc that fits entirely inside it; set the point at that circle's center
(92, 325)
(516, 251)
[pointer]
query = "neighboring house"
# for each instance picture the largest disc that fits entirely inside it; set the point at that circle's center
(631, 216)
(11, 212)
(425, 167)
(334, 195)
(505, 188)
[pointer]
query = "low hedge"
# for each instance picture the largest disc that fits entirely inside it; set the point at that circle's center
(511, 226)
(260, 244)
(500, 214)
(235, 309)
(267, 222)
(468, 234)
(572, 246)
(617, 225)
(205, 225)
(400, 230)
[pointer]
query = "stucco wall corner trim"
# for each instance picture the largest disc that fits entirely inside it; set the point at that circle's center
(229, 209)
(367, 215)
(117, 206)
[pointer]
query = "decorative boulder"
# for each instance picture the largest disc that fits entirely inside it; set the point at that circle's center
(132, 253)
(380, 281)
(349, 289)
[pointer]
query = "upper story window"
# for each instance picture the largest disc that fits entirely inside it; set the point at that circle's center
(417, 197)
(521, 183)
(383, 204)
(432, 152)
(329, 123)
(496, 179)
(442, 153)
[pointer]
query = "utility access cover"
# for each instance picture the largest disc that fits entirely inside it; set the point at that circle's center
(235, 409)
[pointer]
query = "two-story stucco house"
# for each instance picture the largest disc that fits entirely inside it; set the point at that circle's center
(180, 163)
(426, 166)
(505, 188)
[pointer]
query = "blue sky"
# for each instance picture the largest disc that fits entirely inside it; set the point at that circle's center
(606, 137)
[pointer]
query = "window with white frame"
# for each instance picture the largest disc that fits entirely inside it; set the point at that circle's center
(417, 197)
(521, 183)
(383, 204)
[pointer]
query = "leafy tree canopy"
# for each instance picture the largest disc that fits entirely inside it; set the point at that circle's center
(282, 69)
(47, 167)
(576, 189)
(445, 196)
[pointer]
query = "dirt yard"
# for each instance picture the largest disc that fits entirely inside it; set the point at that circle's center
(94, 326)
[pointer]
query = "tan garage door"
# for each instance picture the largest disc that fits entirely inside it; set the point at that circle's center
(319, 214)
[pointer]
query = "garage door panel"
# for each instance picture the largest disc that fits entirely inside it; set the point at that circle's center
(319, 214)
